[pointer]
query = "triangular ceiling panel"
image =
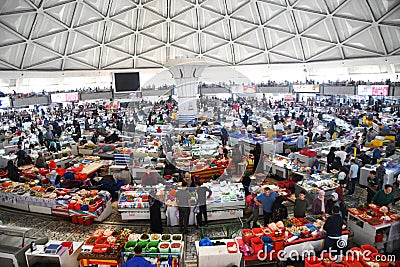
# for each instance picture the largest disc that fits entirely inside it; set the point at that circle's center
(242, 52)
(45, 26)
(78, 42)
(333, 4)
(22, 23)
(176, 52)
(70, 64)
(11, 6)
(12, 54)
(274, 37)
(313, 6)
(247, 13)
(306, 19)
(142, 63)
(381, 7)
(158, 55)
(391, 35)
(51, 65)
(62, 13)
(223, 53)
(56, 42)
(253, 38)
(277, 2)
(312, 47)
(215, 62)
(126, 43)
(234, 5)
(50, 3)
(275, 58)
(220, 29)
(188, 18)
(110, 56)
(94, 30)
(36, 54)
(177, 31)
(367, 40)
(282, 22)
(190, 42)
(393, 18)
(324, 30)
(331, 54)
(209, 42)
(36, 2)
(158, 31)
(5, 66)
(356, 53)
(145, 43)
(148, 19)
(180, 6)
(215, 5)
(227, 32)
(129, 18)
(99, 5)
(268, 11)
(120, 6)
(258, 59)
(291, 48)
(90, 56)
(115, 31)
(85, 15)
(346, 28)
(207, 18)
(238, 28)
(355, 9)
(124, 64)
(7, 37)
(158, 6)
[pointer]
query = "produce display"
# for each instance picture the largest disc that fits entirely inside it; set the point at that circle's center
(317, 183)
(135, 197)
(228, 193)
(374, 214)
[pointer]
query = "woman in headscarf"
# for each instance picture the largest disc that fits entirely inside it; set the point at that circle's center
(155, 212)
(330, 158)
(12, 170)
(319, 203)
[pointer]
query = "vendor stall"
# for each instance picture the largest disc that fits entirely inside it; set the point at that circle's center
(114, 247)
(316, 183)
(61, 254)
(373, 226)
(220, 253)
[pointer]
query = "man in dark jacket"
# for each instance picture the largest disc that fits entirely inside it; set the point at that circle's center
(333, 229)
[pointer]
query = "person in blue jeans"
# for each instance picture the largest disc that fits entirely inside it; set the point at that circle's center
(138, 260)
(266, 200)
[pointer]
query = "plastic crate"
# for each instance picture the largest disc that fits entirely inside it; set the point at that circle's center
(312, 261)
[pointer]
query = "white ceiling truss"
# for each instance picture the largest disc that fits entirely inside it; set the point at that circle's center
(125, 34)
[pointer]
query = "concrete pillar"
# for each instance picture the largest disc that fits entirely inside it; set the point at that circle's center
(186, 72)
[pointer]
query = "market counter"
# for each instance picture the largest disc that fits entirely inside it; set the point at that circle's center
(63, 258)
(218, 256)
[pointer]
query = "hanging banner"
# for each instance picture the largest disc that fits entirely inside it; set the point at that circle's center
(244, 89)
(64, 97)
(289, 98)
(5, 102)
(373, 90)
(306, 88)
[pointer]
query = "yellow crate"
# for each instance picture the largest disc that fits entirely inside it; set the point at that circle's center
(390, 137)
